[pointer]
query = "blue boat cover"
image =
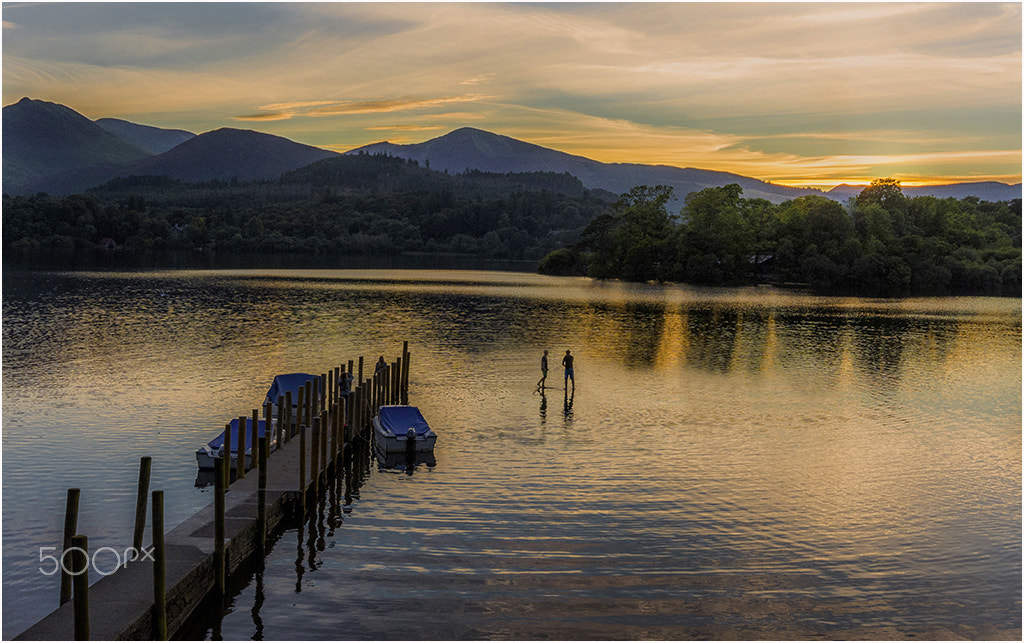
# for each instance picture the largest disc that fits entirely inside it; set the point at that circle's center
(399, 419)
(290, 382)
(218, 441)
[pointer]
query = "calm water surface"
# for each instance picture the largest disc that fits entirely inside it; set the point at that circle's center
(732, 464)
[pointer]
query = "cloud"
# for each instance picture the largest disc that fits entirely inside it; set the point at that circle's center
(389, 105)
(406, 128)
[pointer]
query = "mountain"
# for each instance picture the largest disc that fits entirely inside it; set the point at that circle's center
(220, 155)
(153, 140)
(470, 148)
(41, 138)
(228, 153)
(984, 190)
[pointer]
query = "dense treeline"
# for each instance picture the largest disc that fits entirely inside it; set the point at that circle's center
(362, 204)
(881, 243)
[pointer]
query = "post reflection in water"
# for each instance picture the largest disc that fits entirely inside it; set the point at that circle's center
(852, 467)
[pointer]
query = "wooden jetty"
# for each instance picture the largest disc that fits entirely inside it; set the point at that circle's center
(187, 569)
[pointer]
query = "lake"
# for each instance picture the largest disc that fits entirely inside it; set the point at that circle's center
(733, 463)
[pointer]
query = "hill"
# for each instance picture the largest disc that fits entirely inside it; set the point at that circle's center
(221, 155)
(985, 190)
(470, 148)
(153, 140)
(41, 138)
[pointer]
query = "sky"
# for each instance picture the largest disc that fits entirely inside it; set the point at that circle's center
(813, 94)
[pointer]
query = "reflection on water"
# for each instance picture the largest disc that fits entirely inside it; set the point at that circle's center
(731, 464)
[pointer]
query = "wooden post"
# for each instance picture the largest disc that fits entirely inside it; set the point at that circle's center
(302, 470)
(324, 419)
(314, 467)
(289, 420)
(80, 571)
(159, 569)
(309, 403)
(323, 393)
(299, 419)
(268, 423)
(261, 495)
(70, 527)
(241, 447)
(280, 422)
(336, 425)
(360, 378)
(329, 390)
(227, 456)
(369, 411)
(256, 437)
(219, 562)
(145, 465)
(405, 373)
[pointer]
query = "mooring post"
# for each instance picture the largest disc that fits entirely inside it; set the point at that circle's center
(302, 470)
(242, 421)
(360, 379)
(299, 406)
(227, 456)
(70, 527)
(159, 569)
(261, 495)
(80, 571)
(289, 427)
(314, 467)
(308, 420)
(145, 465)
(255, 438)
(325, 391)
(268, 424)
(405, 373)
(219, 563)
(324, 419)
(280, 422)
(369, 411)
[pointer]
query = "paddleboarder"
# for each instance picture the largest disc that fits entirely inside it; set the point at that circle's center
(569, 375)
(543, 371)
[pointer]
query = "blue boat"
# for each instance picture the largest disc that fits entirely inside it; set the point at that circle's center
(400, 427)
(282, 384)
(206, 454)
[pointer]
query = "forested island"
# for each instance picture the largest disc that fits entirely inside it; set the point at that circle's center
(880, 243)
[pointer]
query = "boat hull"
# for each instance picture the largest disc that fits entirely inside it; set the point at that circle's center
(389, 440)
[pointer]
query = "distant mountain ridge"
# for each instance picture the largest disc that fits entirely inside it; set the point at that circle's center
(154, 140)
(470, 148)
(51, 148)
(984, 190)
(41, 138)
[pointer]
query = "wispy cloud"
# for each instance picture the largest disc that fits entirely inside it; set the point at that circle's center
(390, 105)
(772, 90)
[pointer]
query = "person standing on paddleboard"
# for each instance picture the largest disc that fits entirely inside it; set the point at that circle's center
(569, 375)
(543, 371)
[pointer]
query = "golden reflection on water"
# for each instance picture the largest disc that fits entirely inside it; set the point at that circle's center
(806, 448)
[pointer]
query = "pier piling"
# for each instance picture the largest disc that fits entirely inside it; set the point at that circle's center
(241, 448)
(145, 466)
(227, 455)
(219, 467)
(80, 571)
(70, 527)
(159, 569)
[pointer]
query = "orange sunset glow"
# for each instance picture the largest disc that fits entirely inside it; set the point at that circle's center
(806, 94)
